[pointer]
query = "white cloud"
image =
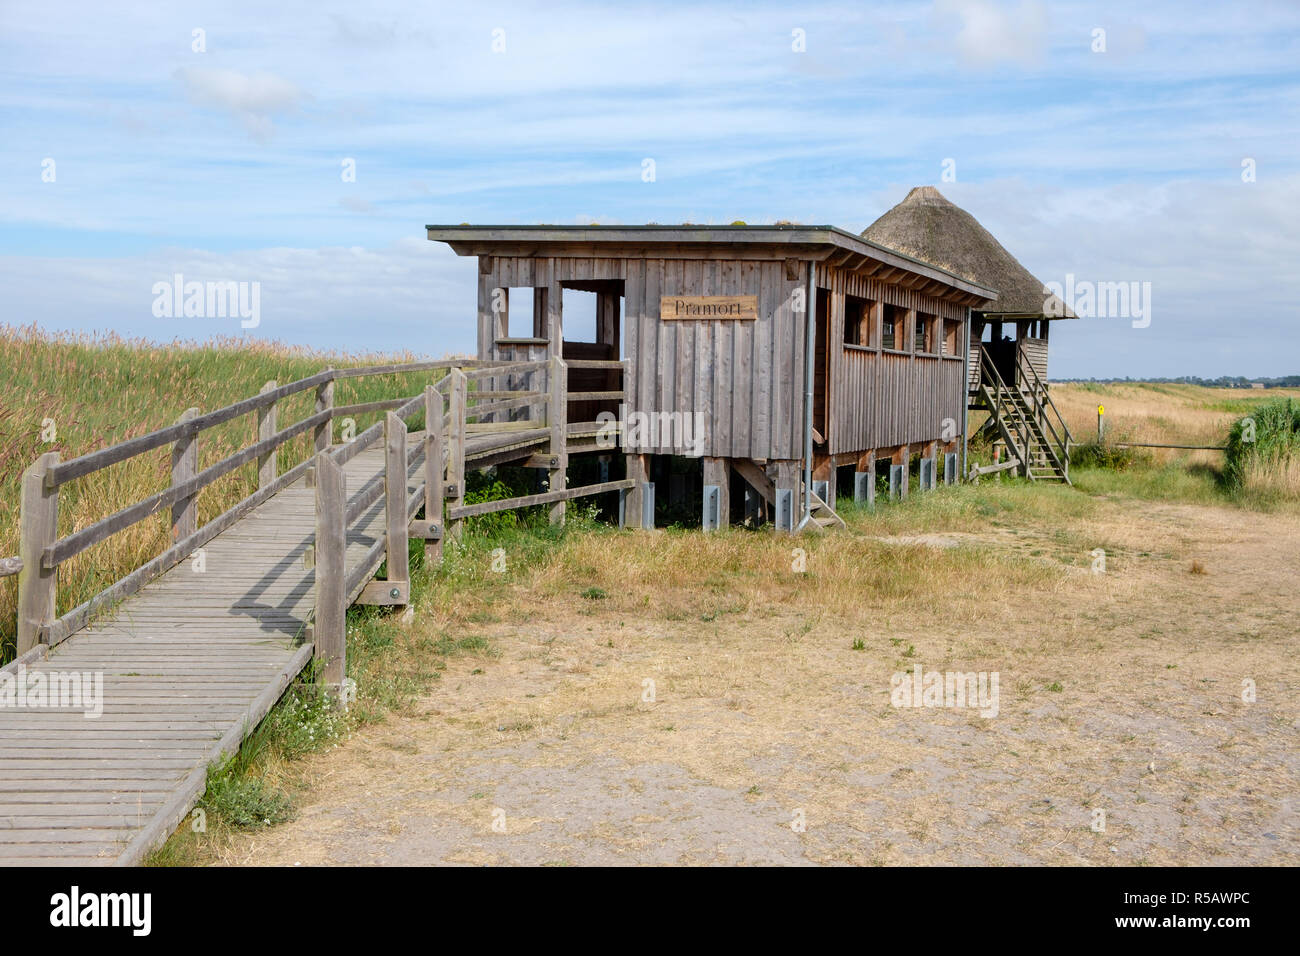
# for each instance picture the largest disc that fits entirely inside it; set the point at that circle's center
(989, 32)
(252, 97)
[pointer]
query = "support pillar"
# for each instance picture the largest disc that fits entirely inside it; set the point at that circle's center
(637, 495)
(717, 493)
(788, 506)
(903, 456)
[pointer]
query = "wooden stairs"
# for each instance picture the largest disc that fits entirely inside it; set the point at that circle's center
(1026, 421)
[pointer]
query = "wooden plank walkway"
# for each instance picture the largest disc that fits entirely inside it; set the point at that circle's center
(190, 665)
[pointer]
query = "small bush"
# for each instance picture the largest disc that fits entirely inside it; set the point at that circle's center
(244, 802)
(1263, 456)
(1111, 457)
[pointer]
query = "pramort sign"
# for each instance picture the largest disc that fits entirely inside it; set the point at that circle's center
(743, 307)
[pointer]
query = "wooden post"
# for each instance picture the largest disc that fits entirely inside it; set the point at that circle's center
(558, 419)
(329, 627)
(903, 457)
(871, 478)
(40, 529)
(824, 470)
(787, 510)
(864, 479)
(717, 472)
(398, 555)
(639, 473)
(930, 452)
(456, 450)
(185, 465)
(324, 432)
(434, 468)
(267, 417)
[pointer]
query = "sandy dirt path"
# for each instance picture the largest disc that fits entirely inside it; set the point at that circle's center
(771, 740)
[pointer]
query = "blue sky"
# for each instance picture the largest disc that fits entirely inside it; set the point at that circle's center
(225, 163)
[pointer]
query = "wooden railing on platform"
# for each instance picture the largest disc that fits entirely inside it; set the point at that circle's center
(440, 489)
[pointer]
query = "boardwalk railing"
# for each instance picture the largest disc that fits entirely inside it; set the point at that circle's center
(43, 551)
(525, 421)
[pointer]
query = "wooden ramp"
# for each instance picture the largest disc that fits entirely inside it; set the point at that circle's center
(187, 653)
(190, 664)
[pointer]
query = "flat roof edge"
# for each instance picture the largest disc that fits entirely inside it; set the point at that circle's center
(784, 234)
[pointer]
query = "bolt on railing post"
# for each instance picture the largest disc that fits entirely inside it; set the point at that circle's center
(40, 529)
(558, 420)
(329, 622)
(267, 418)
(324, 432)
(398, 556)
(185, 465)
(434, 468)
(456, 450)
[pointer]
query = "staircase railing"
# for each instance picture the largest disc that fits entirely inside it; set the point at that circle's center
(1043, 401)
(1001, 407)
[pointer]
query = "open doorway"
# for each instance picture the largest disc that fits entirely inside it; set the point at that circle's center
(593, 332)
(1000, 346)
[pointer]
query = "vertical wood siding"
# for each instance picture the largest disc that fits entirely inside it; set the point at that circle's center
(747, 378)
(1035, 350)
(881, 398)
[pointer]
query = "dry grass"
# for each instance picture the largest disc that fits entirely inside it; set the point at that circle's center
(1161, 414)
(1276, 475)
(771, 695)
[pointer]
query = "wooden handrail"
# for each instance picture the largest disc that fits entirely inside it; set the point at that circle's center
(594, 363)
(546, 497)
(79, 541)
(346, 452)
(405, 367)
(512, 368)
(98, 460)
(44, 551)
(487, 408)
(1041, 387)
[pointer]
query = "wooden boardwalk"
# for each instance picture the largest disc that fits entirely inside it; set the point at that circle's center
(188, 652)
(190, 664)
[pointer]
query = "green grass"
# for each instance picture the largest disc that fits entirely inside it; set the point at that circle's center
(1174, 481)
(1263, 457)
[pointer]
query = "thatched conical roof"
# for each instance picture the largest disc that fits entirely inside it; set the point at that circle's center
(927, 226)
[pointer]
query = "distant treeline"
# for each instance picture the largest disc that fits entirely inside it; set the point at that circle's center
(1223, 381)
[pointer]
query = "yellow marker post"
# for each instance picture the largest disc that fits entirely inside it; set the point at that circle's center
(1101, 424)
